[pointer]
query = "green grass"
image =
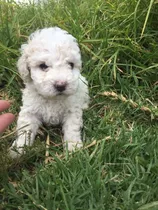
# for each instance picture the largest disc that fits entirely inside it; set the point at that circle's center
(118, 41)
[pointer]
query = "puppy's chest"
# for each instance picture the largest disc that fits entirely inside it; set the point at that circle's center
(52, 113)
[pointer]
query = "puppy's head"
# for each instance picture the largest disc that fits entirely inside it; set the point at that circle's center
(51, 62)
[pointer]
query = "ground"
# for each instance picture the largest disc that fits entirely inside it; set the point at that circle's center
(118, 167)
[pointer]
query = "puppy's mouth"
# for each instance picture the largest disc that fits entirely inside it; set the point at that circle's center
(63, 93)
(60, 93)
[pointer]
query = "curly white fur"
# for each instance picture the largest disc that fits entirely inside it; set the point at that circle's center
(55, 92)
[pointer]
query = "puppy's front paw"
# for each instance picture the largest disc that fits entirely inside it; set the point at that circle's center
(71, 146)
(15, 152)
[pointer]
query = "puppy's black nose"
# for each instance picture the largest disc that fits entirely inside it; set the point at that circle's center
(60, 86)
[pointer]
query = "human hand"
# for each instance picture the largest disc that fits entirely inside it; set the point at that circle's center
(7, 118)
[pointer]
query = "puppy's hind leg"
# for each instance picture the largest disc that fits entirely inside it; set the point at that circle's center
(27, 127)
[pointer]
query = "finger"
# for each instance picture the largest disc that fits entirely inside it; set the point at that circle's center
(5, 120)
(4, 105)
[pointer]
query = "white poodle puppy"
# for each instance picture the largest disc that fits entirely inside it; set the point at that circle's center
(55, 92)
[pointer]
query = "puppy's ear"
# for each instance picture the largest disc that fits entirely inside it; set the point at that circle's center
(22, 65)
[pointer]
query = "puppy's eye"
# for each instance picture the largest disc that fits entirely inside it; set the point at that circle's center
(71, 65)
(43, 66)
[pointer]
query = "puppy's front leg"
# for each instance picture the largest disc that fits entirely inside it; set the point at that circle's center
(27, 127)
(72, 129)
